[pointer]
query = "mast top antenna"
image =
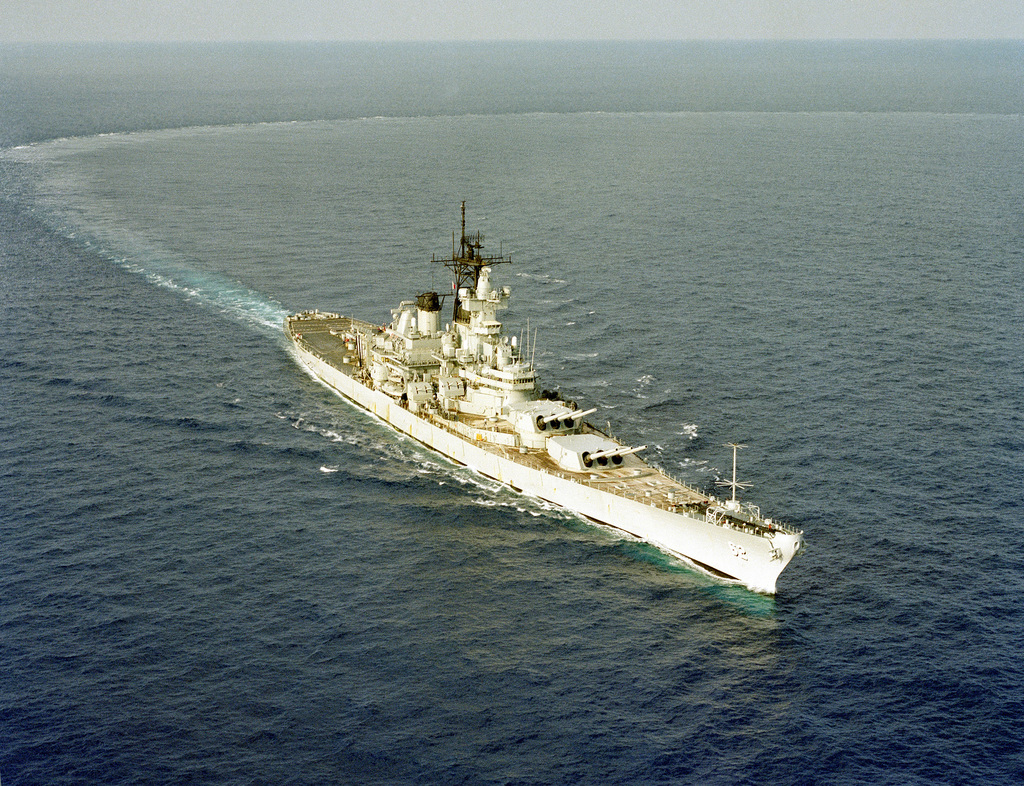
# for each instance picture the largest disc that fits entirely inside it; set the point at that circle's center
(733, 484)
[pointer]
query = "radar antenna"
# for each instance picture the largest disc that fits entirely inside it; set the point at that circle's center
(733, 484)
(466, 264)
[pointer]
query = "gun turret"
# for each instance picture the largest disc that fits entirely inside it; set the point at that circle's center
(550, 418)
(569, 419)
(583, 413)
(614, 454)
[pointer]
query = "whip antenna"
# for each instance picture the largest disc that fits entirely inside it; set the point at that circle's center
(733, 484)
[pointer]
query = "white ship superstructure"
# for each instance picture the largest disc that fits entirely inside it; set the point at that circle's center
(468, 390)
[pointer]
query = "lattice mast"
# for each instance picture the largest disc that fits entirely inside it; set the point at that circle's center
(466, 264)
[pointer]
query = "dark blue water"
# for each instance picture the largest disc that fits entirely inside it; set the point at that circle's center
(212, 571)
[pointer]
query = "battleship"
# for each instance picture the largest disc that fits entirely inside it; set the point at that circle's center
(469, 391)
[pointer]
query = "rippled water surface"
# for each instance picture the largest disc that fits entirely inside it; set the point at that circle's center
(214, 571)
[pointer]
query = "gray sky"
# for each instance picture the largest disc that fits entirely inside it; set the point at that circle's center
(406, 20)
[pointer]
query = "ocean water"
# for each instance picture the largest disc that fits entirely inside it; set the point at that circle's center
(213, 571)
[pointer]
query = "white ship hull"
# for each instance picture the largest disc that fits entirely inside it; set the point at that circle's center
(753, 556)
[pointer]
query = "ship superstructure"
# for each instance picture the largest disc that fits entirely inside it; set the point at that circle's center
(469, 390)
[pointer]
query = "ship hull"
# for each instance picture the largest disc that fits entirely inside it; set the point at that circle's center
(744, 556)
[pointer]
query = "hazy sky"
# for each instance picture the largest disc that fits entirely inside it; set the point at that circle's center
(404, 20)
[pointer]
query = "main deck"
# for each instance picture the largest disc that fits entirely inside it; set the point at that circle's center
(329, 337)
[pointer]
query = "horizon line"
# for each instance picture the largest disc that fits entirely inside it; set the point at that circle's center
(434, 41)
